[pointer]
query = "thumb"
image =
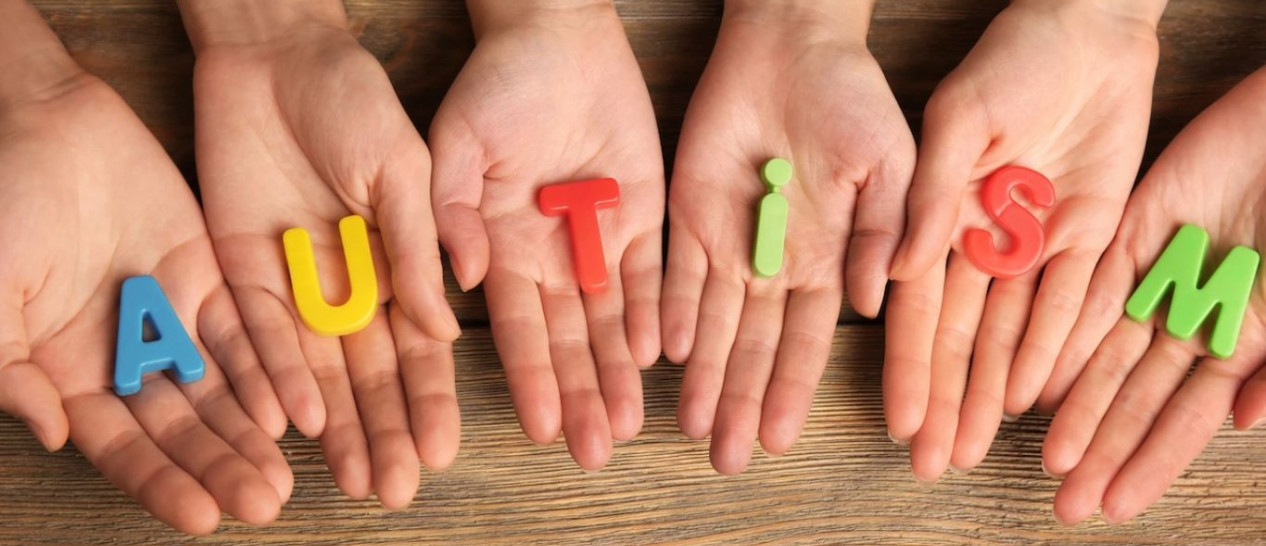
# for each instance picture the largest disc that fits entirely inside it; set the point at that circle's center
(26, 392)
(457, 190)
(955, 135)
(403, 211)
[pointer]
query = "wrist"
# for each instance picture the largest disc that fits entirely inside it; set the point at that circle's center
(489, 16)
(1147, 12)
(33, 61)
(212, 23)
(815, 20)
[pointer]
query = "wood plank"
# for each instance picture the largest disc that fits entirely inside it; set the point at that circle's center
(844, 481)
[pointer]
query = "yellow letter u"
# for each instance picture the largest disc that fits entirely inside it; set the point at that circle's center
(361, 305)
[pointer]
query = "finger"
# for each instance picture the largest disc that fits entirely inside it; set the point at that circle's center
(217, 407)
(276, 337)
(803, 351)
(220, 328)
(1181, 432)
(107, 434)
(1001, 327)
(1074, 426)
(456, 192)
(237, 486)
(26, 392)
(1132, 413)
(403, 209)
(642, 275)
(343, 442)
(1103, 306)
(879, 220)
(955, 135)
(909, 331)
(586, 425)
(965, 291)
(684, 278)
(376, 384)
(1250, 404)
(522, 341)
(747, 375)
(719, 311)
(430, 385)
(619, 379)
(1055, 310)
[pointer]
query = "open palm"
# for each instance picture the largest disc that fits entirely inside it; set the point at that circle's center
(1134, 419)
(88, 198)
(755, 348)
(1063, 90)
(300, 132)
(539, 103)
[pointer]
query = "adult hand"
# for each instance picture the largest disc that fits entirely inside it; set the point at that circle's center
(89, 198)
(796, 83)
(552, 93)
(298, 126)
(1135, 419)
(1063, 88)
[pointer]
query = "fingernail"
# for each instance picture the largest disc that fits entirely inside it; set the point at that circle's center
(896, 441)
(898, 263)
(957, 470)
(1007, 417)
(926, 484)
(38, 434)
(1256, 423)
(1109, 520)
(1050, 474)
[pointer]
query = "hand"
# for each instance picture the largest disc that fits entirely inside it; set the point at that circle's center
(550, 96)
(1063, 88)
(88, 198)
(755, 348)
(1135, 419)
(298, 126)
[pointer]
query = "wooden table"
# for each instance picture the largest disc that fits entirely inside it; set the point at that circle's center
(844, 481)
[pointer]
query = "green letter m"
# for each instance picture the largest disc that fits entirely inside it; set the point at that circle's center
(1180, 266)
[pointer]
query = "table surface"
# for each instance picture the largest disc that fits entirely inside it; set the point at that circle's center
(844, 481)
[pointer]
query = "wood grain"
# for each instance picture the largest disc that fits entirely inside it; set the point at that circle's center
(844, 482)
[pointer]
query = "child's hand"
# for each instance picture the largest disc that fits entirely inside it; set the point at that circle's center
(1131, 423)
(1063, 88)
(298, 126)
(794, 85)
(89, 198)
(550, 95)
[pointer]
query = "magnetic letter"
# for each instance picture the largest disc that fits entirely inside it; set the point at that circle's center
(1228, 289)
(1025, 231)
(579, 202)
(142, 301)
(771, 219)
(361, 305)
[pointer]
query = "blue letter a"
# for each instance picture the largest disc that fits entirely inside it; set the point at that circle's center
(141, 302)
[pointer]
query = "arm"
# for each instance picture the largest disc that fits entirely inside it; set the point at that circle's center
(299, 126)
(1060, 87)
(821, 102)
(243, 22)
(493, 15)
(819, 18)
